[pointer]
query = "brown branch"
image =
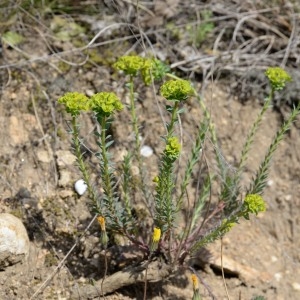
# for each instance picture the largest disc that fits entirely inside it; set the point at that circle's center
(131, 275)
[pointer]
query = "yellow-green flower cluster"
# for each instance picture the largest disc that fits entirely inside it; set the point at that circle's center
(75, 102)
(177, 89)
(173, 148)
(130, 64)
(277, 77)
(105, 103)
(155, 179)
(149, 68)
(254, 203)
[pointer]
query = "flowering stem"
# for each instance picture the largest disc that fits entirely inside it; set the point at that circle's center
(82, 166)
(174, 118)
(260, 180)
(138, 144)
(108, 199)
(253, 130)
(134, 119)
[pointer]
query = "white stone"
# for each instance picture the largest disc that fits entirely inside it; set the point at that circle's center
(278, 276)
(89, 93)
(146, 151)
(274, 258)
(14, 241)
(288, 197)
(296, 286)
(80, 187)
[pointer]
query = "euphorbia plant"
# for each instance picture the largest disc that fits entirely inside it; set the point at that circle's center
(167, 238)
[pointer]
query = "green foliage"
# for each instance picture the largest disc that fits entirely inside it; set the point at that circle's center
(200, 33)
(127, 182)
(164, 206)
(190, 166)
(260, 180)
(64, 29)
(12, 38)
(165, 237)
(231, 187)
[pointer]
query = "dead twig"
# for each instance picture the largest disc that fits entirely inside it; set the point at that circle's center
(156, 271)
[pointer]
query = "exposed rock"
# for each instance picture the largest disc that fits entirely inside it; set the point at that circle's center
(65, 158)
(44, 156)
(19, 128)
(14, 241)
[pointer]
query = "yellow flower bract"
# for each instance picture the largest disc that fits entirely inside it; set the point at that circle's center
(156, 235)
(195, 281)
(101, 221)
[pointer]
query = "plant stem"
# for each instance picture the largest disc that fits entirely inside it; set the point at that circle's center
(170, 127)
(137, 155)
(105, 167)
(251, 134)
(82, 166)
(260, 179)
(134, 120)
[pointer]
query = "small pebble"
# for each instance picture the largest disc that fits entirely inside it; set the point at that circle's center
(146, 151)
(80, 187)
(274, 258)
(296, 286)
(278, 276)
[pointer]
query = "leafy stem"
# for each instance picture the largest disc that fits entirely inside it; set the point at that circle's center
(82, 166)
(134, 119)
(106, 174)
(260, 180)
(174, 118)
(137, 155)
